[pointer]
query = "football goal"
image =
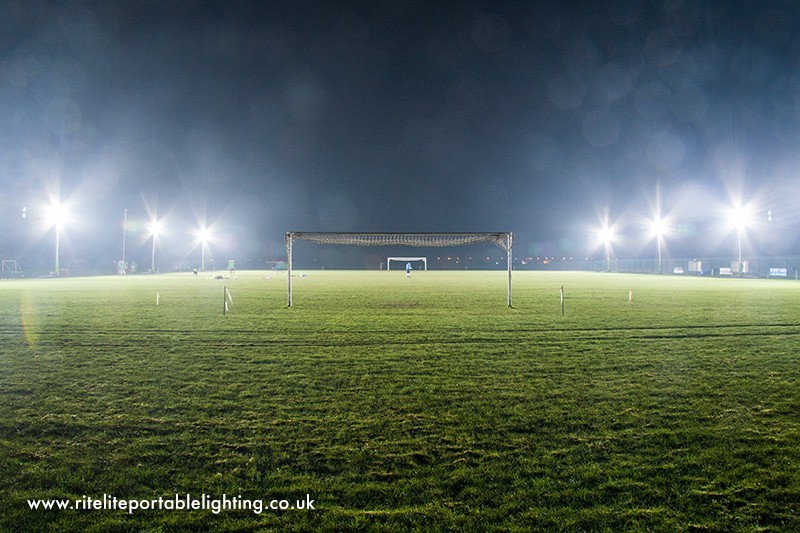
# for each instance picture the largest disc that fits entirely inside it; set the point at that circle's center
(10, 267)
(407, 260)
(428, 240)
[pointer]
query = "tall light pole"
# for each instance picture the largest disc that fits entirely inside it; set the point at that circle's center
(155, 229)
(56, 213)
(606, 235)
(739, 216)
(57, 270)
(658, 224)
(203, 235)
(739, 245)
(658, 228)
(658, 240)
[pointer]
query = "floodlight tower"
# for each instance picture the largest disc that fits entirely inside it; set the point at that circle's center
(739, 217)
(659, 228)
(605, 234)
(739, 246)
(56, 214)
(203, 235)
(124, 232)
(155, 230)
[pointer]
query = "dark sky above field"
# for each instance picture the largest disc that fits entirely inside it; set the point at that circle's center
(540, 118)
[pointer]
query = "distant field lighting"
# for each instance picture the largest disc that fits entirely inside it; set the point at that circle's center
(606, 236)
(740, 217)
(659, 229)
(55, 217)
(155, 229)
(203, 236)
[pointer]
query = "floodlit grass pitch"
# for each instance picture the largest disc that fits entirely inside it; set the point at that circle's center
(402, 403)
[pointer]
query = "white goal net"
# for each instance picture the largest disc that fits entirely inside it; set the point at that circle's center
(502, 239)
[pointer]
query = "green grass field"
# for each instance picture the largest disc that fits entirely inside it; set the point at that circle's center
(404, 404)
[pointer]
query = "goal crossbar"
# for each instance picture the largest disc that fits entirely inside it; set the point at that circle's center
(434, 240)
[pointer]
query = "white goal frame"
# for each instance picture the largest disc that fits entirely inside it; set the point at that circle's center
(407, 260)
(10, 266)
(502, 239)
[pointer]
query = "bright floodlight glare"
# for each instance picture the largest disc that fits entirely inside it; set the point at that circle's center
(204, 235)
(155, 228)
(605, 235)
(659, 227)
(739, 216)
(56, 215)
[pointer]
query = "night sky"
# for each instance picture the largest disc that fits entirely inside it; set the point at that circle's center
(541, 118)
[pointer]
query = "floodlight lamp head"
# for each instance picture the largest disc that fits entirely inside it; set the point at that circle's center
(605, 235)
(56, 215)
(739, 216)
(204, 235)
(659, 227)
(156, 227)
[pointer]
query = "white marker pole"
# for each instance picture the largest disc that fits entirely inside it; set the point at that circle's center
(157, 297)
(562, 300)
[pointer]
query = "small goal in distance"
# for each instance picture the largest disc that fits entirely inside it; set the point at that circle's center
(428, 240)
(424, 261)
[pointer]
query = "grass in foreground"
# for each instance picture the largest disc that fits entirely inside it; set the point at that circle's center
(422, 403)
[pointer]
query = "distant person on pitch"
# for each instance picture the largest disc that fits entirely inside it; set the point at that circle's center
(408, 270)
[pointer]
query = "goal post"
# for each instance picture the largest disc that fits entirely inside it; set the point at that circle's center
(407, 260)
(428, 240)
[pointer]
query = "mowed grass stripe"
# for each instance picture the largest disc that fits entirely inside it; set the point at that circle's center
(457, 413)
